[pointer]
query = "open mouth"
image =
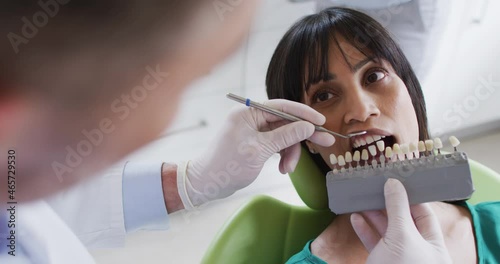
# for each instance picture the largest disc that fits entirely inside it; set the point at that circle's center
(378, 142)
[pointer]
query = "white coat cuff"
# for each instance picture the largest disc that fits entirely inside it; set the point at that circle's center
(143, 201)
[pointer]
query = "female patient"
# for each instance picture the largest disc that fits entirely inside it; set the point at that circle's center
(346, 66)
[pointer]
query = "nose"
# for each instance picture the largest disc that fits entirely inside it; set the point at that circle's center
(360, 106)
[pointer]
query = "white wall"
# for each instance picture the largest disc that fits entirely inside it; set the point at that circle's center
(463, 89)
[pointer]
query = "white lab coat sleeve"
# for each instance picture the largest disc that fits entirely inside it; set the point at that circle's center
(124, 198)
(93, 210)
(143, 200)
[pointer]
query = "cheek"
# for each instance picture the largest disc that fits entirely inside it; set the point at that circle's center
(333, 119)
(333, 123)
(404, 115)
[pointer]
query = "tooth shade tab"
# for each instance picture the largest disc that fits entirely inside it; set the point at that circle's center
(333, 159)
(373, 150)
(396, 149)
(348, 156)
(429, 144)
(356, 156)
(388, 152)
(413, 147)
(405, 149)
(377, 137)
(437, 143)
(421, 146)
(364, 155)
(380, 145)
(369, 140)
(341, 160)
(454, 141)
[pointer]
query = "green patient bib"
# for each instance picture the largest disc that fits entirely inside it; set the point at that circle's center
(486, 221)
(305, 256)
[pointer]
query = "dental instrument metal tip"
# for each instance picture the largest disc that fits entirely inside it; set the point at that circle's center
(286, 116)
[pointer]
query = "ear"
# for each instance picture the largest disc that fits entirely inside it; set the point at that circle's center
(13, 111)
(311, 147)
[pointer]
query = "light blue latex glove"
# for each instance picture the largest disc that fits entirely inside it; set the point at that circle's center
(407, 234)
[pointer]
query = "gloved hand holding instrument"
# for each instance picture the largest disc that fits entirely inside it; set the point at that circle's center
(247, 140)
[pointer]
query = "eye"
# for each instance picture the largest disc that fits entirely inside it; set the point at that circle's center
(322, 96)
(375, 76)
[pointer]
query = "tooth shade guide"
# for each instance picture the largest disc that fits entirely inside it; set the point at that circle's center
(380, 145)
(388, 153)
(356, 157)
(341, 160)
(348, 156)
(364, 156)
(413, 150)
(387, 160)
(382, 158)
(454, 142)
(333, 159)
(396, 149)
(429, 146)
(438, 144)
(421, 146)
(405, 149)
(373, 150)
(347, 193)
(413, 147)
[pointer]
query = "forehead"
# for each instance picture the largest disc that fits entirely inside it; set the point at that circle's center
(338, 54)
(343, 53)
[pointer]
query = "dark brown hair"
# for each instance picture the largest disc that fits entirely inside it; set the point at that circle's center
(80, 51)
(305, 44)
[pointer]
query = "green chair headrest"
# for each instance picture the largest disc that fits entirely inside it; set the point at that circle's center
(310, 182)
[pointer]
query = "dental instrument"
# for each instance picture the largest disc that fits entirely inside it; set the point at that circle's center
(286, 116)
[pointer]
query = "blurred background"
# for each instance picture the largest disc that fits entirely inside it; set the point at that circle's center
(452, 45)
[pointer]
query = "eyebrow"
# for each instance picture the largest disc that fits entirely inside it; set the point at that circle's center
(330, 76)
(362, 63)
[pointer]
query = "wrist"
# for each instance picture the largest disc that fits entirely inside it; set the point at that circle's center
(207, 184)
(173, 201)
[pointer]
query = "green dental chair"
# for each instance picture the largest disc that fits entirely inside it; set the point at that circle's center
(266, 230)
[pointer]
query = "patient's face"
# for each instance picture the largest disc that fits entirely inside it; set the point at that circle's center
(371, 97)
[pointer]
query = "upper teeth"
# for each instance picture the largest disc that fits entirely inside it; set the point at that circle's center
(359, 142)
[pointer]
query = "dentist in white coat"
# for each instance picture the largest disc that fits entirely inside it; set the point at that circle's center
(84, 83)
